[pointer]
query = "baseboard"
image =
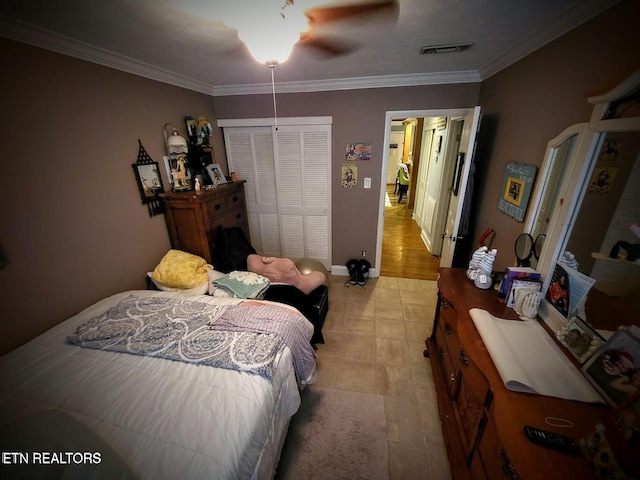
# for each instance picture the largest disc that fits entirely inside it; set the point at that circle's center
(341, 270)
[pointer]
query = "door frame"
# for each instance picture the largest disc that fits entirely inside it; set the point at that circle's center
(389, 115)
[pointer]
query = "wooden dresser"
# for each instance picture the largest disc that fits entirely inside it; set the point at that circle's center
(482, 421)
(193, 217)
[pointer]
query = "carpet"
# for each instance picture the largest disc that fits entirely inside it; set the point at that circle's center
(336, 434)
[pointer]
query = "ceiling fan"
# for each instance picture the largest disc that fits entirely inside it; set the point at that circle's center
(372, 11)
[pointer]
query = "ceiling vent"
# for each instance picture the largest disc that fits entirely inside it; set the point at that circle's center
(454, 47)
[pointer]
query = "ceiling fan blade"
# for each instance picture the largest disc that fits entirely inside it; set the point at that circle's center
(326, 46)
(387, 9)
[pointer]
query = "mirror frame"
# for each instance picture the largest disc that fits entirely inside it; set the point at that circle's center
(579, 166)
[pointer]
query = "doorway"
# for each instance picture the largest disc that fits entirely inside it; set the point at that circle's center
(410, 238)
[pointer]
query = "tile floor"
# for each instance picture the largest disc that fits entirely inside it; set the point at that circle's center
(374, 344)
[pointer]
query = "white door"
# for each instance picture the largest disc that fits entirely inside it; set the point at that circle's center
(459, 186)
(288, 189)
(423, 170)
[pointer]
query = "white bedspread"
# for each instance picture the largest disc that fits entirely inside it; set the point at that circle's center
(165, 419)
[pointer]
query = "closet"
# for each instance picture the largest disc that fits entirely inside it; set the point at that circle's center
(287, 170)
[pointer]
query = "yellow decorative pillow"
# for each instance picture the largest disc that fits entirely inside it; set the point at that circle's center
(179, 269)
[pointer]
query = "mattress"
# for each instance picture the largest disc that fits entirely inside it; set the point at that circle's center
(163, 418)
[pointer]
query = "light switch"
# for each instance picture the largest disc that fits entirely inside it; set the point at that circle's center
(367, 182)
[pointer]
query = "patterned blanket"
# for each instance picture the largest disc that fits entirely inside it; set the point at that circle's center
(178, 329)
(272, 319)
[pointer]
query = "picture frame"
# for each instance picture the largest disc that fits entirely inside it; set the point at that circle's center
(614, 369)
(216, 174)
(149, 181)
(517, 186)
(580, 339)
(179, 176)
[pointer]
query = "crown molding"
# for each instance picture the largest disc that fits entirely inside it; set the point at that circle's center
(384, 81)
(42, 38)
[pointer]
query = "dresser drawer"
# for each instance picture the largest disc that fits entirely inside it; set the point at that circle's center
(448, 346)
(233, 218)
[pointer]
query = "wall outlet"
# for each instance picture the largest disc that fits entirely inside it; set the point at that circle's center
(364, 253)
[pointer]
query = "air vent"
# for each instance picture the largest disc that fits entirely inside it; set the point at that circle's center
(454, 47)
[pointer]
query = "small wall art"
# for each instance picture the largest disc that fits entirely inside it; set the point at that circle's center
(358, 151)
(516, 189)
(349, 176)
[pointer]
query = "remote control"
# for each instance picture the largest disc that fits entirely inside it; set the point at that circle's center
(551, 440)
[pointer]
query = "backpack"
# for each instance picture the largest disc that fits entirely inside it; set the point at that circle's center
(231, 249)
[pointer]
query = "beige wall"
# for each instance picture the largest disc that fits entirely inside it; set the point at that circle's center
(71, 220)
(535, 99)
(358, 117)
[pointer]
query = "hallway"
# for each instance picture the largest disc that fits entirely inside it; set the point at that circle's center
(404, 254)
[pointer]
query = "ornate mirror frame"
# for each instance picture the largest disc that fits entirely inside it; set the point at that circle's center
(563, 205)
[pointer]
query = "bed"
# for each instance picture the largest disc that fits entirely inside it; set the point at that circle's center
(164, 418)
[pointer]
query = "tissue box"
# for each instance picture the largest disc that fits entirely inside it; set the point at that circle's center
(511, 273)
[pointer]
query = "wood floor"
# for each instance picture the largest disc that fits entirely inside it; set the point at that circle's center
(404, 254)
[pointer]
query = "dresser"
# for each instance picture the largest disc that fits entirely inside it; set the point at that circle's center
(482, 421)
(193, 217)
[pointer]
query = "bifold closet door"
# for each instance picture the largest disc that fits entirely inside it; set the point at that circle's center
(303, 161)
(288, 190)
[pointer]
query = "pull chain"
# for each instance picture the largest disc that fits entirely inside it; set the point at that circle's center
(273, 89)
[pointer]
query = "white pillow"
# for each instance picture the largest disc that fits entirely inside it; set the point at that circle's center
(201, 289)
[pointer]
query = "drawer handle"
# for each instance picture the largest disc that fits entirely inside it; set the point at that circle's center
(507, 467)
(443, 355)
(447, 329)
(234, 199)
(443, 304)
(452, 377)
(239, 215)
(217, 206)
(463, 358)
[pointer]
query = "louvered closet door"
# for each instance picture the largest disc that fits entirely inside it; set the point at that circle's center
(250, 155)
(288, 190)
(303, 179)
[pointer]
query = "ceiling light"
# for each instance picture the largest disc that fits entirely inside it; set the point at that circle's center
(453, 47)
(272, 39)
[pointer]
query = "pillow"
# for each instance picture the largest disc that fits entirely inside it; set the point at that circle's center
(181, 270)
(243, 284)
(201, 289)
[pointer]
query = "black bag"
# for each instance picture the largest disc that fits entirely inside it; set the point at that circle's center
(231, 249)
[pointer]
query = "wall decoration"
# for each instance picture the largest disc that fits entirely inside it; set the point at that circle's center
(601, 179)
(216, 174)
(349, 176)
(178, 173)
(149, 181)
(516, 190)
(358, 151)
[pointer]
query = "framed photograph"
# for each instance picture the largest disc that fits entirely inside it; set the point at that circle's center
(177, 172)
(580, 339)
(614, 370)
(216, 174)
(149, 180)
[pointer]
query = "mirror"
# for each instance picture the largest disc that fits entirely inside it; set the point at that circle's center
(586, 199)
